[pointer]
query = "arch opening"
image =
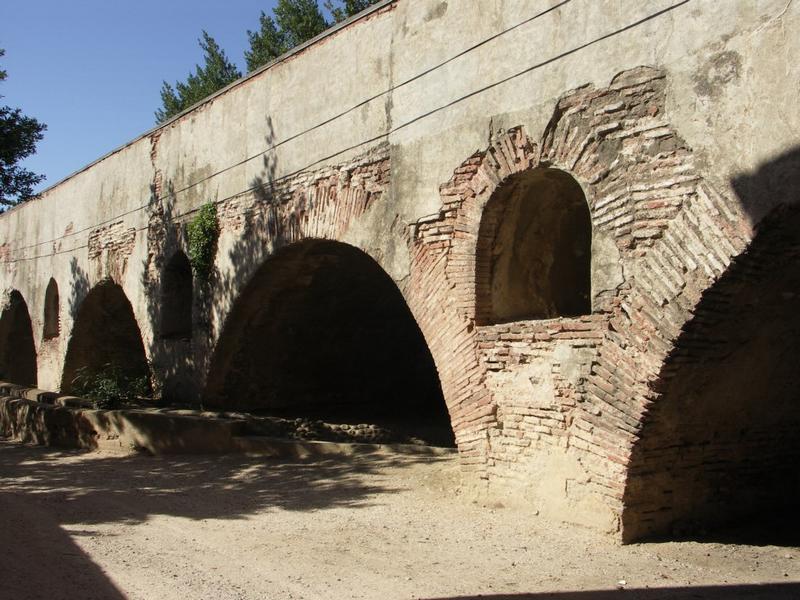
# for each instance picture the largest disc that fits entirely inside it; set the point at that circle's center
(322, 332)
(176, 298)
(534, 249)
(722, 440)
(105, 337)
(17, 348)
(52, 320)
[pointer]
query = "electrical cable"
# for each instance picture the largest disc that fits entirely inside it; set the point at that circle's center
(373, 139)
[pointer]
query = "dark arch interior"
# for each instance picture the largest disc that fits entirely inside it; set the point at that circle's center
(176, 298)
(105, 333)
(322, 331)
(52, 323)
(534, 250)
(722, 441)
(17, 348)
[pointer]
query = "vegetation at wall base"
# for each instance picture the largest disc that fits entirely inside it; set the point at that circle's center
(203, 232)
(109, 387)
(18, 137)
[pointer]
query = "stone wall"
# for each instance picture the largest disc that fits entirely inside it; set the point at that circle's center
(396, 135)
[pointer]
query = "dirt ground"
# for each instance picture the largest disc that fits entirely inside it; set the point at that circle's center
(86, 525)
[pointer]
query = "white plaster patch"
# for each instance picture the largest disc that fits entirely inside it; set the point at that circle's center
(526, 385)
(607, 272)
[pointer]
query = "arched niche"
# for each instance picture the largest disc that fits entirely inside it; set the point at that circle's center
(322, 331)
(534, 249)
(17, 347)
(105, 333)
(176, 298)
(52, 307)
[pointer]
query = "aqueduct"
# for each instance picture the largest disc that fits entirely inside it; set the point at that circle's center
(565, 231)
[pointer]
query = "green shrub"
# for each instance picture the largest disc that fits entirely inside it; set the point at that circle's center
(109, 386)
(203, 233)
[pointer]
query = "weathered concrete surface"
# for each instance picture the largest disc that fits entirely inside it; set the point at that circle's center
(677, 118)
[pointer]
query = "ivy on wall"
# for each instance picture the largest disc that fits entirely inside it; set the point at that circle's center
(203, 232)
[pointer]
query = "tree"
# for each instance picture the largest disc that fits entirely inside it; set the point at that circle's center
(266, 44)
(295, 22)
(348, 8)
(299, 20)
(18, 137)
(216, 73)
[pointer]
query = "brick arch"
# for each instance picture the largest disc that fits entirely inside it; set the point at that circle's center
(322, 330)
(17, 346)
(661, 235)
(255, 226)
(675, 236)
(105, 331)
(721, 438)
(309, 205)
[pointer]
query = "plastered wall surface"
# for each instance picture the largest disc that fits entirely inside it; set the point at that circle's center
(677, 119)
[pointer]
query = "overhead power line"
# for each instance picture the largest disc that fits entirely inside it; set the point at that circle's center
(370, 140)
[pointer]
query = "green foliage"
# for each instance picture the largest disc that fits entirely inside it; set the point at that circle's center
(203, 234)
(299, 20)
(109, 386)
(215, 74)
(18, 137)
(292, 23)
(347, 9)
(295, 22)
(266, 44)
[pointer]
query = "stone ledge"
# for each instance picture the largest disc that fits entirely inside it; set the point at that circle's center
(46, 418)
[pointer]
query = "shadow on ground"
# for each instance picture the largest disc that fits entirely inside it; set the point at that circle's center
(777, 527)
(42, 491)
(110, 488)
(768, 591)
(40, 560)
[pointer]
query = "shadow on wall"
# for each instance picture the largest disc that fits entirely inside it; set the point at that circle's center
(258, 222)
(79, 288)
(172, 292)
(776, 183)
(180, 351)
(722, 440)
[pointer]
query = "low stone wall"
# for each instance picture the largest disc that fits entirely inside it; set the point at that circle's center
(46, 418)
(54, 422)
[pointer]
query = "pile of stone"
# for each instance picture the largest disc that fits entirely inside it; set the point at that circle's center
(303, 428)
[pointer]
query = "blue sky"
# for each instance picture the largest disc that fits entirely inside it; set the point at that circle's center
(92, 69)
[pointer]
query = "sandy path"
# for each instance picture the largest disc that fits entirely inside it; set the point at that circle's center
(78, 525)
